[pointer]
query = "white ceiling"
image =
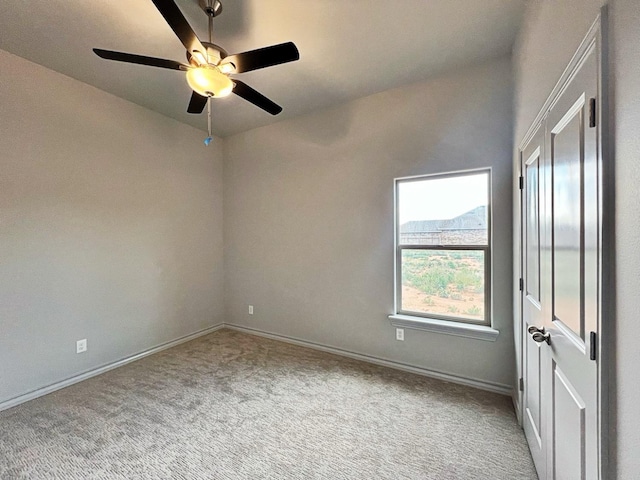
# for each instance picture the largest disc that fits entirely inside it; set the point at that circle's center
(348, 48)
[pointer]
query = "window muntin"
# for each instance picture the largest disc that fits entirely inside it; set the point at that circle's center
(443, 248)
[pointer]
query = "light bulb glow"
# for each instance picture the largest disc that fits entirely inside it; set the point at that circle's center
(209, 82)
(227, 68)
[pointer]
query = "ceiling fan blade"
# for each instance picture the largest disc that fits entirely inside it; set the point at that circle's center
(140, 59)
(197, 103)
(181, 28)
(250, 95)
(263, 57)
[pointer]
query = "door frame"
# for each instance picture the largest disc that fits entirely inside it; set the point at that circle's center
(599, 31)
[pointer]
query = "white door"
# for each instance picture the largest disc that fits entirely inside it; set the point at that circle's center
(533, 352)
(562, 279)
(571, 317)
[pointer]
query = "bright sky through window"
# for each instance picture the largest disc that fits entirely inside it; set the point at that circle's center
(443, 198)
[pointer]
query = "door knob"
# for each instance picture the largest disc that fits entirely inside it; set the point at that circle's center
(542, 337)
(533, 329)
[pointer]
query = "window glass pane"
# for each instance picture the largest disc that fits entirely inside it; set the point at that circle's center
(443, 282)
(444, 210)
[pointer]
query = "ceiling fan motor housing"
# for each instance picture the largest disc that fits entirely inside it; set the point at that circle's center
(215, 54)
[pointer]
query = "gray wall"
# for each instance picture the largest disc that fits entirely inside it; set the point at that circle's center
(309, 217)
(110, 228)
(625, 15)
(551, 33)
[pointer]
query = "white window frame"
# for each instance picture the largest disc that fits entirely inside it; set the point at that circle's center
(460, 326)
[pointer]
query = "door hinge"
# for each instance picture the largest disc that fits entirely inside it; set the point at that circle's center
(592, 112)
(521, 384)
(593, 345)
(521, 284)
(521, 183)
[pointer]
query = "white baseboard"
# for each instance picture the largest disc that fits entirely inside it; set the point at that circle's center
(12, 402)
(470, 382)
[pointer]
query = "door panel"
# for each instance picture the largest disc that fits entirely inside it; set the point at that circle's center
(565, 143)
(532, 228)
(533, 400)
(569, 421)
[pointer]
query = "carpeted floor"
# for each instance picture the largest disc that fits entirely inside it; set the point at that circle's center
(235, 406)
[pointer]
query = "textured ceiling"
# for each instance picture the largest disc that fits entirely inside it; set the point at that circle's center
(348, 48)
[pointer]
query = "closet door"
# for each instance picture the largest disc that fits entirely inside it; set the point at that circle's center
(535, 357)
(562, 274)
(572, 237)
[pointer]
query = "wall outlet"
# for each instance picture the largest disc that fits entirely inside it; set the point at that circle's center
(81, 346)
(400, 334)
(250, 309)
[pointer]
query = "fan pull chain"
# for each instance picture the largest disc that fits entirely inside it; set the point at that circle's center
(210, 16)
(208, 140)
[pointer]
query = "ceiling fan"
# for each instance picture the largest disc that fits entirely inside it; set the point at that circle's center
(209, 68)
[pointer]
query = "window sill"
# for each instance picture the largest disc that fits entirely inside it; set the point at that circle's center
(468, 330)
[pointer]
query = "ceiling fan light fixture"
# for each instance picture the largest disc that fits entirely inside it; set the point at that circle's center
(209, 64)
(227, 68)
(199, 57)
(209, 82)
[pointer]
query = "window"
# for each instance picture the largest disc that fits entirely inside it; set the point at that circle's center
(443, 246)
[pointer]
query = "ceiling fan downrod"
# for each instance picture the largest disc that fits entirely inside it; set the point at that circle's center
(212, 8)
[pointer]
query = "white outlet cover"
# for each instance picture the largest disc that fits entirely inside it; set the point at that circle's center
(250, 309)
(400, 334)
(81, 346)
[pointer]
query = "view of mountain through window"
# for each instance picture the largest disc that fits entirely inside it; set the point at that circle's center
(443, 246)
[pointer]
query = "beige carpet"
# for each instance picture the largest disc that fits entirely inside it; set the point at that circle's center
(235, 406)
